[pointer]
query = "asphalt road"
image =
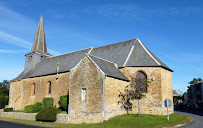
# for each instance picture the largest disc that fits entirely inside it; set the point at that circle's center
(196, 115)
(6, 124)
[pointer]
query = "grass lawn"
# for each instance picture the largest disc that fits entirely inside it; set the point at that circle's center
(123, 121)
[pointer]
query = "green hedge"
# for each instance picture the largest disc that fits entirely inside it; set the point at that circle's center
(34, 108)
(47, 114)
(64, 102)
(48, 102)
(3, 101)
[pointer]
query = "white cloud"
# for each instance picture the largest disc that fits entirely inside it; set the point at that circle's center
(13, 51)
(11, 39)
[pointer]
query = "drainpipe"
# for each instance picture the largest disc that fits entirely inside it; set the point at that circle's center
(69, 96)
(102, 114)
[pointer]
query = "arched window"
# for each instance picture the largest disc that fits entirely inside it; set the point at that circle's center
(34, 89)
(142, 75)
(49, 87)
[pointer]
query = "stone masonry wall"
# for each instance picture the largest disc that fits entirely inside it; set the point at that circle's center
(167, 91)
(59, 87)
(15, 94)
(89, 77)
(151, 104)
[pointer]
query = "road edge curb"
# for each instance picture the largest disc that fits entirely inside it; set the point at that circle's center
(180, 125)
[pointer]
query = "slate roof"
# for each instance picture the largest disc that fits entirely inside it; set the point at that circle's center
(141, 56)
(124, 54)
(48, 66)
(109, 68)
(116, 53)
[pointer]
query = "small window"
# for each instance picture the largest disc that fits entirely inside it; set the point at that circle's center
(49, 87)
(34, 88)
(84, 93)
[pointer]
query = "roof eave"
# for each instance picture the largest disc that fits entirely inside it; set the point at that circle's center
(149, 66)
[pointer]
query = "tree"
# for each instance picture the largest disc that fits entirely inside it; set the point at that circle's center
(5, 84)
(137, 89)
(125, 100)
(4, 93)
(195, 81)
(4, 88)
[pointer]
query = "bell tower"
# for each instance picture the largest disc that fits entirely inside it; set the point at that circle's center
(39, 48)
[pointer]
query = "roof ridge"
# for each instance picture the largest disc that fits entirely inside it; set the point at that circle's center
(70, 53)
(116, 43)
(90, 50)
(148, 52)
(130, 52)
(97, 66)
(104, 59)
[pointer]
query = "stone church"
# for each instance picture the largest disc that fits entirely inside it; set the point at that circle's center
(92, 78)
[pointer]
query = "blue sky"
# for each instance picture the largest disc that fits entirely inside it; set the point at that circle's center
(171, 29)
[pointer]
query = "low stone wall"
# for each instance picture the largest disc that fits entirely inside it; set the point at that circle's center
(18, 115)
(61, 118)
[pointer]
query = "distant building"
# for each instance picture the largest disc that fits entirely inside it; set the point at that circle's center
(185, 98)
(176, 98)
(195, 95)
(175, 93)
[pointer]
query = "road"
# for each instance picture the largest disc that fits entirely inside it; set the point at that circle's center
(196, 115)
(6, 124)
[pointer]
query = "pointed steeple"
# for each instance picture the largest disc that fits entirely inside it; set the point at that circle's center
(39, 44)
(39, 48)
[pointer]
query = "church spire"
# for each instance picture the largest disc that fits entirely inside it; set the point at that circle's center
(39, 44)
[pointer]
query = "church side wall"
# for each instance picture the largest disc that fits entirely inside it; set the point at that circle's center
(112, 89)
(14, 94)
(153, 102)
(88, 77)
(58, 88)
(167, 90)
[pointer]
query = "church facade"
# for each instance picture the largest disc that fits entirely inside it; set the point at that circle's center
(92, 78)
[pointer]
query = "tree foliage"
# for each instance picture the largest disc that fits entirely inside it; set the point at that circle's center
(195, 81)
(64, 102)
(48, 102)
(137, 89)
(5, 84)
(4, 93)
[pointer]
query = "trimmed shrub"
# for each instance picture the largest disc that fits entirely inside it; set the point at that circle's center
(8, 109)
(38, 106)
(34, 108)
(47, 114)
(29, 109)
(48, 102)
(64, 102)
(3, 101)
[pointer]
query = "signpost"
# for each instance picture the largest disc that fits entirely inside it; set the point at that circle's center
(168, 104)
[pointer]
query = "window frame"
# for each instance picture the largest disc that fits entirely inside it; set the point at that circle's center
(84, 94)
